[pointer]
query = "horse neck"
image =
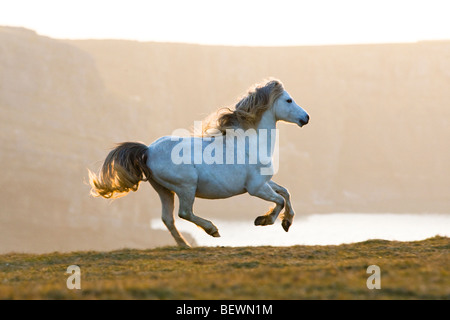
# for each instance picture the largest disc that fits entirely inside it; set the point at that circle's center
(268, 120)
(267, 127)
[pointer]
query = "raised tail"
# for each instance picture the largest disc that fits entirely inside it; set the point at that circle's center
(124, 168)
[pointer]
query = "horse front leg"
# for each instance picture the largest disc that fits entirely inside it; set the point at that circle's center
(267, 193)
(288, 214)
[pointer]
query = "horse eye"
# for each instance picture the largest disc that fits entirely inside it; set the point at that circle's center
(289, 100)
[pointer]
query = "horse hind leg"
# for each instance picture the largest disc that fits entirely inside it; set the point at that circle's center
(167, 201)
(187, 197)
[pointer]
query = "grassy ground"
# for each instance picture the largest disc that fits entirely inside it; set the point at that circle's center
(409, 270)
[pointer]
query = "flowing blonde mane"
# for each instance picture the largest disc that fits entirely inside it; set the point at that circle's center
(247, 112)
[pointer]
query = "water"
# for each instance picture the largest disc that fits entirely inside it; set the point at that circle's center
(321, 229)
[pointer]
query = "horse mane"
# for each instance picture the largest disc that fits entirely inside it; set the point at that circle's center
(247, 112)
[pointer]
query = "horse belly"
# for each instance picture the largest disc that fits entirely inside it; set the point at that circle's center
(220, 181)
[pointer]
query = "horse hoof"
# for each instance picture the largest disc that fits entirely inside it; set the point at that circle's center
(286, 224)
(215, 234)
(263, 221)
(260, 221)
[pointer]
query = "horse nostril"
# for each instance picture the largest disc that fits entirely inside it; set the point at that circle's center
(304, 120)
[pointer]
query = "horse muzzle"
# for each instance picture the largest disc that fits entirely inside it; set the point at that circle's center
(303, 121)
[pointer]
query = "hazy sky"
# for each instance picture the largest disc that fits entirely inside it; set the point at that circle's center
(235, 22)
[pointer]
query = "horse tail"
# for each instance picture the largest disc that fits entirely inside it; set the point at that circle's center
(124, 168)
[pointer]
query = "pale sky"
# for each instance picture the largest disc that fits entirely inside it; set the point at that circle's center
(235, 22)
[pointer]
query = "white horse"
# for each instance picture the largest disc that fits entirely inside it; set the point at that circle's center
(257, 113)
